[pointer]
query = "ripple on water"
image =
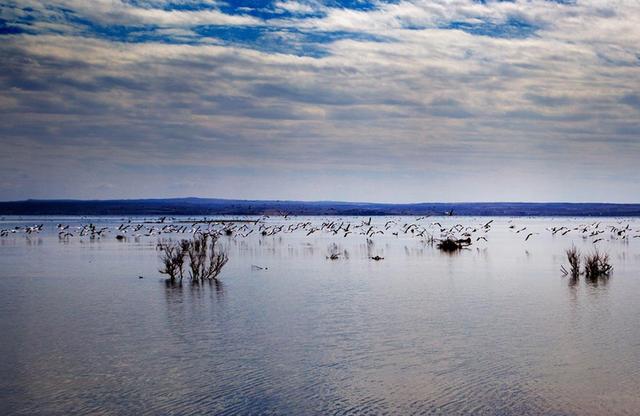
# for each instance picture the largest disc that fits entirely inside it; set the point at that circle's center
(493, 331)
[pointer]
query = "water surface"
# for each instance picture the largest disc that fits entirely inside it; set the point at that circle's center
(493, 330)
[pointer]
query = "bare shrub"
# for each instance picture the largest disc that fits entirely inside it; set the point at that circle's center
(172, 258)
(597, 265)
(206, 260)
(450, 244)
(573, 257)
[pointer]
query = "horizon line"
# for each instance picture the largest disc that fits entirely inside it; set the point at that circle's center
(306, 201)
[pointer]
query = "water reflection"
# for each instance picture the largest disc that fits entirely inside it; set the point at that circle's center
(195, 288)
(573, 280)
(596, 281)
(31, 241)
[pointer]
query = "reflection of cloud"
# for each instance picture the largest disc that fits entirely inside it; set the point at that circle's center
(450, 101)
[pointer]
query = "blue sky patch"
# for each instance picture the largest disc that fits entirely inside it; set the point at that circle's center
(278, 40)
(267, 38)
(512, 28)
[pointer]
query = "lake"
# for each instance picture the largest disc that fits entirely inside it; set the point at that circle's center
(494, 329)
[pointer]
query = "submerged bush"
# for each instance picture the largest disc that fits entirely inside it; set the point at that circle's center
(573, 257)
(205, 259)
(172, 258)
(450, 244)
(597, 265)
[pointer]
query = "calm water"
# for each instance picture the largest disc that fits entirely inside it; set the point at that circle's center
(492, 330)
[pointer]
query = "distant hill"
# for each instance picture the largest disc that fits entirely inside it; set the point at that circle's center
(205, 206)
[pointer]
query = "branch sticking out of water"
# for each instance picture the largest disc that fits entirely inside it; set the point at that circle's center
(597, 265)
(205, 259)
(573, 257)
(172, 258)
(451, 244)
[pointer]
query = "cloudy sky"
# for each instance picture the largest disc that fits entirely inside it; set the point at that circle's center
(399, 101)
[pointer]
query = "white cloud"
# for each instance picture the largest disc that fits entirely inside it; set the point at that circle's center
(117, 12)
(297, 7)
(559, 102)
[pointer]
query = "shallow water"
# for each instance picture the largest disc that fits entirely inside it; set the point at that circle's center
(492, 330)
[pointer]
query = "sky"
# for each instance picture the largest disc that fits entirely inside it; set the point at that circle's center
(353, 100)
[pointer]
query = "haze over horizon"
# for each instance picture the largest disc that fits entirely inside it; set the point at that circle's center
(344, 100)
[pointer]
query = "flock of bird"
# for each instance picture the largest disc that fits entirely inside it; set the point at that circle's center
(425, 228)
(28, 230)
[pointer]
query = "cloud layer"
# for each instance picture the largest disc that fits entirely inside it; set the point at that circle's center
(381, 101)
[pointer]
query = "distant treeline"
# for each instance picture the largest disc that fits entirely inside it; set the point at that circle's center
(203, 206)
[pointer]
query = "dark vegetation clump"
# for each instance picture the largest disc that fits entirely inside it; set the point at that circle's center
(596, 265)
(201, 254)
(573, 257)
(451, 245)
(172, 258)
